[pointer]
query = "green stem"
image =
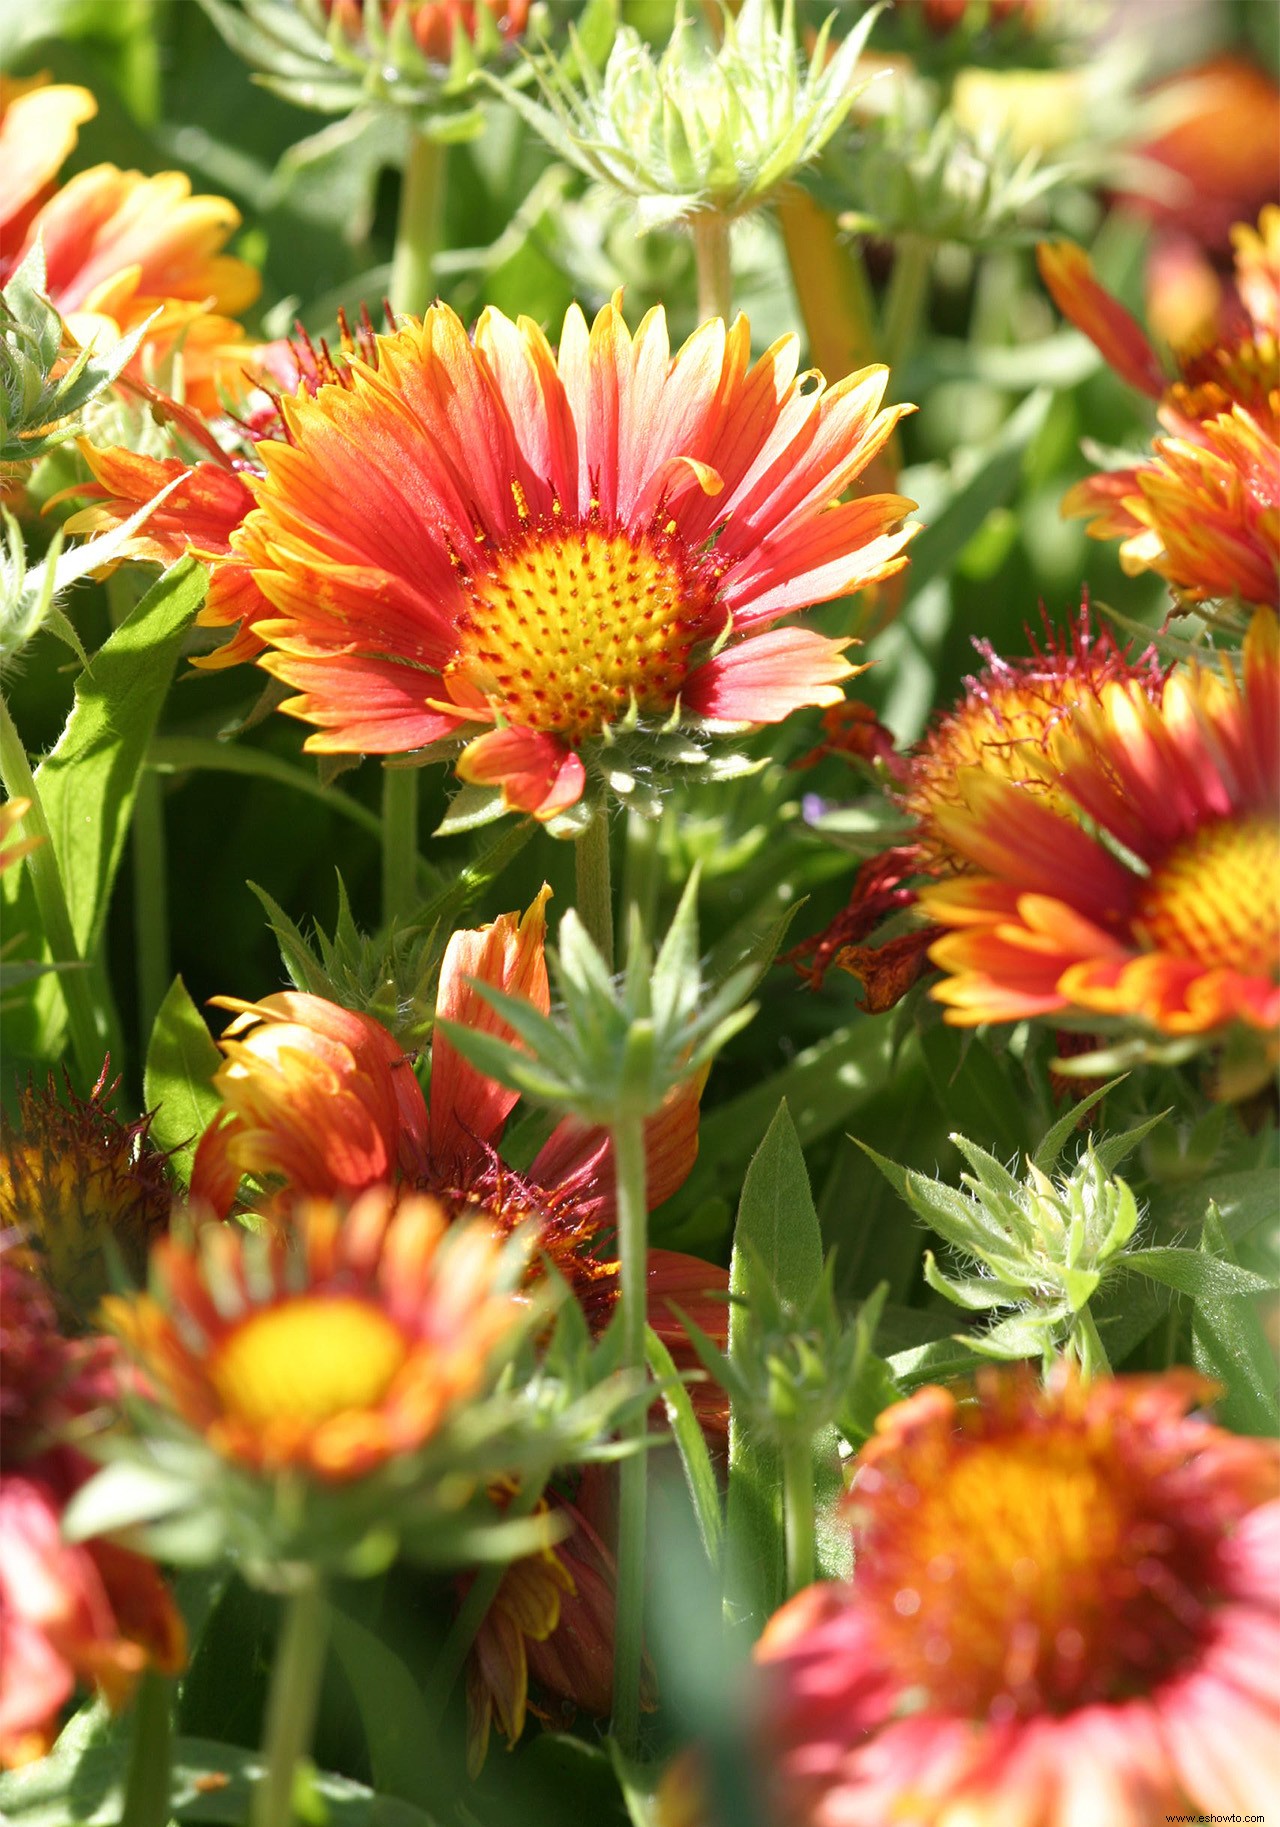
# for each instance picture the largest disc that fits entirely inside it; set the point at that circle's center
(472, 1612)
(593, 888)
(711, 257)
(1091, 1353)
(904, 304)
(87, 1041)
(148, 854)
(420, 224)
(399, 843)
(641, 878)
(628, 1638)
(797, 1501)
(146, 1799)
(150, 901)
(292, 1701)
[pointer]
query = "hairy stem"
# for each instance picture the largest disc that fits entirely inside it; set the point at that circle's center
(292, 1701)
(711, 256)
(420, 224)
(628, 1640)
(146, 1800)
(87, 1033)
(399, 843)
(905, 302)
(797, 1509)
(593, 888)
(1091, 1353)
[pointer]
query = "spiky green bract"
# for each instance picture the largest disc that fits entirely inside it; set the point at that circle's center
(696, 126)
(28, 596)
(1042, 1244)
(556, 1401)
(615, 1047)
(38, 407)
(797, 1368)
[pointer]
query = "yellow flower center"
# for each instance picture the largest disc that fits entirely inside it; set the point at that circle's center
(1019, 1576)
(307, 1360)
(575, 622)
(1215, 898)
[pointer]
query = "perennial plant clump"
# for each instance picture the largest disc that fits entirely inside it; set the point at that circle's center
(631, 1187)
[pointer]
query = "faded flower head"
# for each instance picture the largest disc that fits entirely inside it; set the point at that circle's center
(1062, 1611)
(79, 1184)
(699, 125)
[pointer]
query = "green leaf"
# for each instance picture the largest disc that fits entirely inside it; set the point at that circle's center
(87, 785)
(185, 754)
(1229, 1344)
(82, 1784)
(178, 1082)
(989, 478)
(691, 1443)
(824, 1085)
(938, 1361)
(1049, 1153)
(777, 1235)
(1198, 1274)
(397, 1726)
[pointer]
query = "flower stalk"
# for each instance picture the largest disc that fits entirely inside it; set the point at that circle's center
(904, 304)
(593, 884)
(711, 252)
(292, 1701)
(420, 223)
(146, 1802)
(633, 1210)
(399, 843)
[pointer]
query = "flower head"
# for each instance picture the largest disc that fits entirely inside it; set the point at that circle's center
(1204, 510)
(320, 1102)
(1237, 366)
(39, 125)
(77, 1182)
(1003, 725)
(1204, 513)
(1062, 1611)
(332, 1349)
(1155, 898)
(119, 247)
(570, 567)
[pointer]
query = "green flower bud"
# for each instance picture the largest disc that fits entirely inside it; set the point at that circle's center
(697, 127)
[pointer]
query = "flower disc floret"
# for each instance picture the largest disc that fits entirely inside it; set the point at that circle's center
(553, 554)
(331, 1348)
